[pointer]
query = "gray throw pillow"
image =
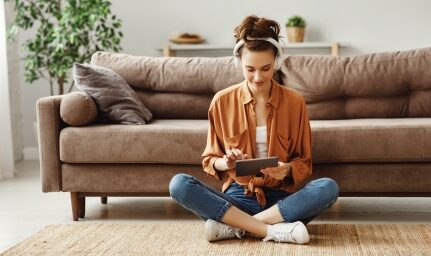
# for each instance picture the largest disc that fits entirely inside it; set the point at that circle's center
(116, 100)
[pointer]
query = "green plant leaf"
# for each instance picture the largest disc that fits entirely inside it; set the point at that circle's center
(296, 21)
(66, 31)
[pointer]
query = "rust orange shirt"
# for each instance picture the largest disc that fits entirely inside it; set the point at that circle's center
(232, 124)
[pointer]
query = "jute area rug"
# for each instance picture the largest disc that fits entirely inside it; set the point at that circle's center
(185, 238)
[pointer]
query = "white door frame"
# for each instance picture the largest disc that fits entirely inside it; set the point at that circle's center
(6, 146)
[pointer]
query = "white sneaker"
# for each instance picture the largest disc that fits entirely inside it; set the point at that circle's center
(217, 231)
(295, 232)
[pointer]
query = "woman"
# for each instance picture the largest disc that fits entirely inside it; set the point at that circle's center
(257, 118)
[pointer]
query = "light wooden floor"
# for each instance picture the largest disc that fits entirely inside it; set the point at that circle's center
(24, 209)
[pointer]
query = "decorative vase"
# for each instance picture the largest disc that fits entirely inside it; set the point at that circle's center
(295, 34)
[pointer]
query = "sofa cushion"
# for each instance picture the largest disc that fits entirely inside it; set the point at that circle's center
(77, 108)
(176, 105)
(376, 85)
(183, 141)
(372, 140)
(117, 102)
(161, 141)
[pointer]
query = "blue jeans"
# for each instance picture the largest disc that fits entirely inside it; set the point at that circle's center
(208, 203)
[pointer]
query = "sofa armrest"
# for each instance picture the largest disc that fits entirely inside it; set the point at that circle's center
(49, 124)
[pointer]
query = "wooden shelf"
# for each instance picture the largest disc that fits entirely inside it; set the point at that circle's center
(170, 49)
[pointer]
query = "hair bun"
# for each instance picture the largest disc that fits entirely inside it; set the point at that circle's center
(253, 26)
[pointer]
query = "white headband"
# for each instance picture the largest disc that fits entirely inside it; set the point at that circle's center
(268, 39)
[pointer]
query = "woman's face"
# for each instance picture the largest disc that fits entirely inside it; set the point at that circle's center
(258, 68)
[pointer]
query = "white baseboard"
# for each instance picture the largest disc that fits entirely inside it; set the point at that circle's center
(31, 153)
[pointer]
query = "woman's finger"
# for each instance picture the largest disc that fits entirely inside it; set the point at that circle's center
(242, 154)
(237, 153)
(228, 161)
(225, 158)
(230, 154)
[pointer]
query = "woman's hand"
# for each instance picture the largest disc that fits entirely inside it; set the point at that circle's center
(232, 155)
(280, 172)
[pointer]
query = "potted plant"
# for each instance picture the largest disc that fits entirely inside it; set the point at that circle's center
(66, 31)
(295, 27)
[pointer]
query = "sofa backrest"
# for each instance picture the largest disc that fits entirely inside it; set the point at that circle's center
(378, 85)
(173, 87)
(393, 84)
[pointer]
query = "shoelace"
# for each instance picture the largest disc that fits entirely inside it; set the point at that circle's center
(227, 231)
(283, 234)
(239, 233)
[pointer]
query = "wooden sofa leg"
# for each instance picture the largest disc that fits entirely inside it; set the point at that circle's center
(104, 199)
(81, 207)
(74, 198)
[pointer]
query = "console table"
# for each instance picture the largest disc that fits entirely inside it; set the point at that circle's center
(170, 49)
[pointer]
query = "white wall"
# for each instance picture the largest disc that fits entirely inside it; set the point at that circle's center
(13, 60)
(6, 146)
(368, 25)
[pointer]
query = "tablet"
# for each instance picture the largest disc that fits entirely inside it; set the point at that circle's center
(253, 166)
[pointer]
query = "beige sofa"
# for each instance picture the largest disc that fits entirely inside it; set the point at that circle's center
(370, 120)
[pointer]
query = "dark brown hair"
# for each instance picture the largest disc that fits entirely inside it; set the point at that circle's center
(253, 26)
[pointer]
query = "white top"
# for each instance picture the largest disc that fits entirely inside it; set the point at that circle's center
(261, 145)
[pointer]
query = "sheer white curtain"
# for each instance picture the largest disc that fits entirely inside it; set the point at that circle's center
(6, 148)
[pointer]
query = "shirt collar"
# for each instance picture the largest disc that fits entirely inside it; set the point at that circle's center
(273, 98)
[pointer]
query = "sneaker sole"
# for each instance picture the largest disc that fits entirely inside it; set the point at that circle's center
(306, 238)
(209, 230)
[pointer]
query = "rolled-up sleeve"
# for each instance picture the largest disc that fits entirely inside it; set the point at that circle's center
(213, 149)
(300, 160)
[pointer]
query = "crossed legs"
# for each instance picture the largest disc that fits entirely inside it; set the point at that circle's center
(209, 203)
